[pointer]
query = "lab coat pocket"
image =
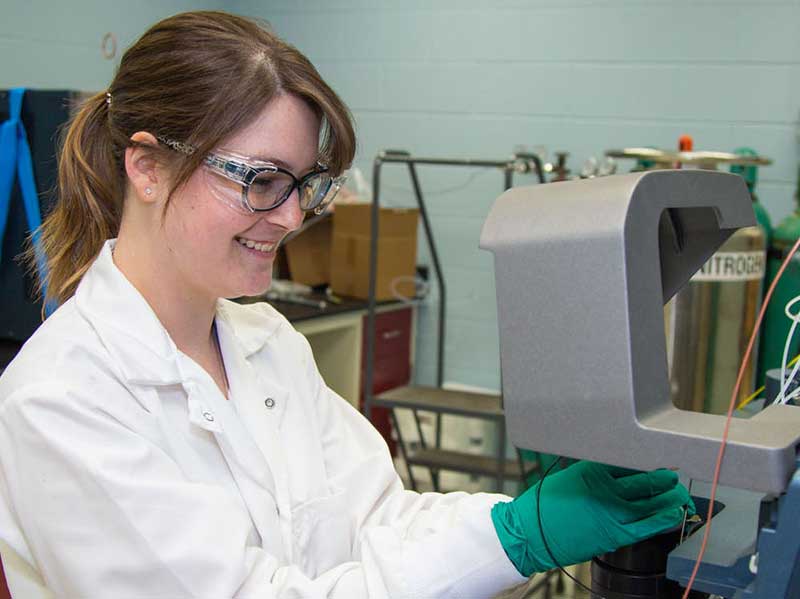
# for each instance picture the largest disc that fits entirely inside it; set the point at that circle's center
(323, 533)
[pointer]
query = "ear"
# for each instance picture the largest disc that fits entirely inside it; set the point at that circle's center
(146, 176)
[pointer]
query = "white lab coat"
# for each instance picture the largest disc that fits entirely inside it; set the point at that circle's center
(124, 472)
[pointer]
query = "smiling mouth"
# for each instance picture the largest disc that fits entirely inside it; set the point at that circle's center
(261, 246)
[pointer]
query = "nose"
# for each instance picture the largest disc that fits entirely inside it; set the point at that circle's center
(288, 215)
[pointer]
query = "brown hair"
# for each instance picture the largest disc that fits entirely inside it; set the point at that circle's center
(196, 77)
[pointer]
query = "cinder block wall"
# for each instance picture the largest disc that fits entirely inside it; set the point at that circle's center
(473, 78)
(52, 44)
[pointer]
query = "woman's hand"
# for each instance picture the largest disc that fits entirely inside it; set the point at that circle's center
(588, 509)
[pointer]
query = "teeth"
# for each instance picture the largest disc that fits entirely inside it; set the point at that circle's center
(261, 247)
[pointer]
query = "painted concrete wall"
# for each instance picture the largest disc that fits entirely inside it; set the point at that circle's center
(57, 44)
(473, 78)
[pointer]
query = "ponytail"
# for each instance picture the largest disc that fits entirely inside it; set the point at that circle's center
(89, 206)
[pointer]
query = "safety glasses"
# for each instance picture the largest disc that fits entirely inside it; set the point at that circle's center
(264, 185)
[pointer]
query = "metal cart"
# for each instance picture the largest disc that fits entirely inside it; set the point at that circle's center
(437, 400)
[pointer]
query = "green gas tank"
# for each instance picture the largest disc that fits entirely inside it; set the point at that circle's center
(776, 324)
(750, 175)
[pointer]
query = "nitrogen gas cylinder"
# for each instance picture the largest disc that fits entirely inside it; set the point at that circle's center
(713, 316)
(710, 323)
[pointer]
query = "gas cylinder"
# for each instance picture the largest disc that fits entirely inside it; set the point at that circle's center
(776, 324)
(709, 321)
(750, 175)
(713, 316)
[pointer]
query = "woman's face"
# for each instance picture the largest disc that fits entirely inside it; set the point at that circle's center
(205, 237)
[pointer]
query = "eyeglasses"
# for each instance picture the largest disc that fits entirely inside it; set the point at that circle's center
(265, 186)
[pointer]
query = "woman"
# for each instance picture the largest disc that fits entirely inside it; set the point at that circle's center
(158, 441)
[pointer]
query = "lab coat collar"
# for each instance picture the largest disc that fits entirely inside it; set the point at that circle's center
(126, 324)
(252, 326)
(131, 332)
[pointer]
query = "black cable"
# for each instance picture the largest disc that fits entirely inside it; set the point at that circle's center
(544, 541)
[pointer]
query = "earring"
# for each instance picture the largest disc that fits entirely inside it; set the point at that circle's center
(148, 191)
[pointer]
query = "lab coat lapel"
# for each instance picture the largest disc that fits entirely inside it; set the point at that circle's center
(260, 403)
(260, 407)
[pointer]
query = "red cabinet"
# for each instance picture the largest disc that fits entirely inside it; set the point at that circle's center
(392, 366)
(4, 592)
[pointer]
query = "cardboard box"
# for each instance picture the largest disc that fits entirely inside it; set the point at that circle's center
(397, 251)
(309, 254)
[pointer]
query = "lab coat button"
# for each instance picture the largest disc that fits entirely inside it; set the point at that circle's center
(208, 416)
(269, 402)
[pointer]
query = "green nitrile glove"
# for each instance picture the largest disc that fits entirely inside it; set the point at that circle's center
(586, 510)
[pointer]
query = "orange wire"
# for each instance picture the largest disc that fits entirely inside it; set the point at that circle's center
(721, 452)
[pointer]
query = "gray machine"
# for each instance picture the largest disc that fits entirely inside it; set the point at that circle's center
(583, 270)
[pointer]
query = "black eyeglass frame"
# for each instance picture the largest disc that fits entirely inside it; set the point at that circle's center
(243, 170)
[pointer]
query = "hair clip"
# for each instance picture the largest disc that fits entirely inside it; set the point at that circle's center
(108, 98)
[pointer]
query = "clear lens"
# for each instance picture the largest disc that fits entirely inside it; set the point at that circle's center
(269, 189)
(314, 192)
(326, 193)
(225, 190)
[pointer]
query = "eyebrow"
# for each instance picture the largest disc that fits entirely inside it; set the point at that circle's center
(273, 160)
(285, 165)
